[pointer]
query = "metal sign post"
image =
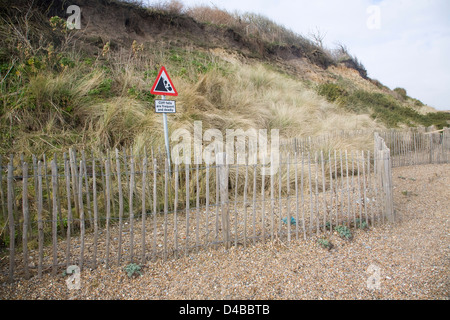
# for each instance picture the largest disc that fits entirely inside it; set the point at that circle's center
(164, 86)
(166, 133)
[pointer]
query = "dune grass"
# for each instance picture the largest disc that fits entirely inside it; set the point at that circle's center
(54, 95)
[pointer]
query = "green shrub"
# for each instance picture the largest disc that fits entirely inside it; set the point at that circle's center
(333, 92)
(133, 269)
(103, 89)
(401, 92)
(382, 107)
(361, 224)
(388, 110)
(325, 243)
(344, 232)
(439, 119)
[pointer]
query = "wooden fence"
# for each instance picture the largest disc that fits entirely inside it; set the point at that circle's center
(418, 147)
(125, 207)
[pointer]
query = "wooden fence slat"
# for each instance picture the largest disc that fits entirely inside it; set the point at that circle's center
(331, 191)
(186, 249)
(254, 204)
(324, 193)
(311, 221)
(175, 212)
(224, 197)
(119, 186)
(390, 203)
(235, 203)
(11, 199)
(280, 202)
(40, 222)
(125, 169)
(54, 168)
(2, 195)
(317, 209)
(144, 211)
(272, 198)
(95, 208)
(288, 209)
(88, 197)
(197, 211)
(297, 221)
(58, 200)
(245, 202)
(216, 231)
(360, 200)
(263, 198)
(69, 209)
(47, 188)
(364, 201)
(175, 209)
(82, 219)
(369, 183)
(74, 171)
(353, 189)
(108, 209)
(131, 207)
(166, 204)
(26, 217)
(336, 191)
(111, 168)
(303, 197)
(155, 201)
(342, 187)
(431, 148)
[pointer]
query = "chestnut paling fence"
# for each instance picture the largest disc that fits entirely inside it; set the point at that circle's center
(75, 209)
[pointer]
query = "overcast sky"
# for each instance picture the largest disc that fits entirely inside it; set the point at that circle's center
(402, 43)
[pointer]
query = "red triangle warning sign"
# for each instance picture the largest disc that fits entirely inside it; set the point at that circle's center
(163, 85)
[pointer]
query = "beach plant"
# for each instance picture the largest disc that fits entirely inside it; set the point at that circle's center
(133, 269)
(344, 232)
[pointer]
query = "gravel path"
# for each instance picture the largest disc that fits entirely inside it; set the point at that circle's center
(412, 258)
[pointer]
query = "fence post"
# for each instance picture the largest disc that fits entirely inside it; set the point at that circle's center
(144, 212)
(95, 208)
(2, 196)
(54, 215)
(119, 186)
(108, 208)
(175, 213)
(69, 208)
(40, 222)
(391, 214)
(82, 218)
(25, 219)
(11, 221)
(166, 204)
(431, 148)
(245, 203)
(130, 206)
(187, 209)
(224, 197)
(73, 170)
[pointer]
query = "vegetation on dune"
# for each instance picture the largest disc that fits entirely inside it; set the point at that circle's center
(55, 94)
(382, 106)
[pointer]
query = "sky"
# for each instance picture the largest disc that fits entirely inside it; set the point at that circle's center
(402, 43)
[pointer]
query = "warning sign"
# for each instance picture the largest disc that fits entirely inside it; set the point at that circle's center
(163, 85)
(165, 106)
